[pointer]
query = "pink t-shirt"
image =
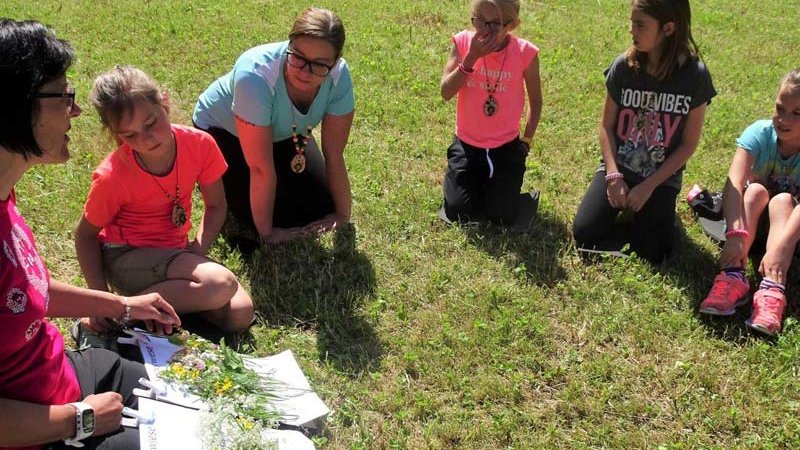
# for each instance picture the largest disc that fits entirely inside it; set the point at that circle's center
(33, 366)
(505, 68)
(130, 204)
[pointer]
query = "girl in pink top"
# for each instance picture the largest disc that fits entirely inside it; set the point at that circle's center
(134, 231)
(490, 69)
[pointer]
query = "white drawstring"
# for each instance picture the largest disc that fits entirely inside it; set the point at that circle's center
(491, 166)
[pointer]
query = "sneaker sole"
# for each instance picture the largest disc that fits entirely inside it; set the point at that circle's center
(715, 312)
(761, 328)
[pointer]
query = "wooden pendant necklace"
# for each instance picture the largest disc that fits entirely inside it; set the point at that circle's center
(178, 212)
(300, 141)
(490, 106)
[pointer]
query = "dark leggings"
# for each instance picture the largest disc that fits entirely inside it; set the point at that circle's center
(650, 233)
(300, 198)
(99, 371)
(484, 185)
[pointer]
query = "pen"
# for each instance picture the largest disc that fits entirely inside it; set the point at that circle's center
(143, 418)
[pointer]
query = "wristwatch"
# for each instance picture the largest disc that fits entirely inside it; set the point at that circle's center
(84, 423)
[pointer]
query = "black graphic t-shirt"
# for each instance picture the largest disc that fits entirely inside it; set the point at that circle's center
(652, 114)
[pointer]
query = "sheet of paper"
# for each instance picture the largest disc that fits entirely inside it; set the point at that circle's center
(157, 351)
(288, 439)
(174, 427)
(295, 398)
(298, 403)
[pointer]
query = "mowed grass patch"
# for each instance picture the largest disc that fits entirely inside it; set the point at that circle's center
(423, 336)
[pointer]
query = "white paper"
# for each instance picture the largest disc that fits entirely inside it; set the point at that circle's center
(175, 427)
(288, 439)
(298, 403)
(157, 351)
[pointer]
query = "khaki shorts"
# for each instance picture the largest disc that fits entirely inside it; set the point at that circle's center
(130, 270)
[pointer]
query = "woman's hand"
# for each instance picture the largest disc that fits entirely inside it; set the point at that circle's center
(617, 191)
(282, 235)
(159, 316)
(328, 223)
(733, 253)
(107, 412)
(639, 195)
(775, 264)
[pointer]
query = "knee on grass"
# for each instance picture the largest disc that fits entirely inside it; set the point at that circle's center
(586, 235)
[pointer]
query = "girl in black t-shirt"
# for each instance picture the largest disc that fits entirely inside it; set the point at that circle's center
(657, 93)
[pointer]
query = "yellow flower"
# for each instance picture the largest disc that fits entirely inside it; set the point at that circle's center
(246, 424)
(221, 388)
(178, 370)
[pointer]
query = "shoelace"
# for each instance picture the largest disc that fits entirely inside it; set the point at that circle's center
(720, 289)
(770, 308)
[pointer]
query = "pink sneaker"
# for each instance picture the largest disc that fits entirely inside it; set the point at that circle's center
(768, 306)
(727, 294)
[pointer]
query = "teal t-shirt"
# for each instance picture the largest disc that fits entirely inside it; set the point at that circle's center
(255, 90)
(778, 174)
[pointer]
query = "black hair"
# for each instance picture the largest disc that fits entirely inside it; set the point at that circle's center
(30, 56)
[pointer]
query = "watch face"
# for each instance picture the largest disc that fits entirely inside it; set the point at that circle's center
(87, 420)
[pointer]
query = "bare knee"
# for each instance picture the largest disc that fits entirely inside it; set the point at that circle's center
(241, 313)
(783, 200)
(755, 195)
(220, 284)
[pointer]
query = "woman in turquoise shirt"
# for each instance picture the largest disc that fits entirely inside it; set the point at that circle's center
(279, 186)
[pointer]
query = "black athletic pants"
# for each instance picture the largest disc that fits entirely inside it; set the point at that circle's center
(300, 198)
(650, 233)
(99, 371)
(484, 185)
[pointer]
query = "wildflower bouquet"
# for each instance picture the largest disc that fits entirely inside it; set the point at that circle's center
(234, 393)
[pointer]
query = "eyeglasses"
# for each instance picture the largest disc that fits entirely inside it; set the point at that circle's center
(492, 26)
(69, 96)
(299, 62)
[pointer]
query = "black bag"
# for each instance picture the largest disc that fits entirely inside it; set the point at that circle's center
(705, 204)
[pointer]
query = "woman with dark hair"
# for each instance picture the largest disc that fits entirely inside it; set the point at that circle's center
(278, 186)
(47, 395)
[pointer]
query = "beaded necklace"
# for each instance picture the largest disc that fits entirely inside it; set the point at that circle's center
(178, 211)
(490, 106)
(300, 141)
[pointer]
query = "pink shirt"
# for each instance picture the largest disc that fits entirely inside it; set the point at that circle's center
(130, 204)
(33, 366)
(505, 69)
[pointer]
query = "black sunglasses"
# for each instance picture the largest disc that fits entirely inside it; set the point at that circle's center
(69, 95)
(300, 62)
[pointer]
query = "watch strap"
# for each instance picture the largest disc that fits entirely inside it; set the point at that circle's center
(81, 432)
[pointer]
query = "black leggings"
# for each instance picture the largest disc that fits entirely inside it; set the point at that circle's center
(483, 184)
(650, 233)
(300, 198)
(99, 371)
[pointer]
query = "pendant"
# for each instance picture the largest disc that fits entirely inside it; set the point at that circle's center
(178, 215)
(490, 106)
(298, 163)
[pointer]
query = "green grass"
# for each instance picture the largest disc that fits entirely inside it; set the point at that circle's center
(423, 336)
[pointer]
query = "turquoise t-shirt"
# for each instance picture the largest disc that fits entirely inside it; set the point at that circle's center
(776, 173)
(255, 90)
